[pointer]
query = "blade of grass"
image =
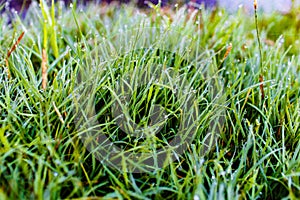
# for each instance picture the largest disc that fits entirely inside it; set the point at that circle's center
(13, 48)
(261, 76)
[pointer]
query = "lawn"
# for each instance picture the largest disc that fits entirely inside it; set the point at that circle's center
(115, 102)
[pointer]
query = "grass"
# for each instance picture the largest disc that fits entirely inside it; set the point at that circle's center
(203, 69)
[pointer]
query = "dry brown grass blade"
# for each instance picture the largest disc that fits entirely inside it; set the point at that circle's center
(44, 69)
(10, 52)
(58, 113)
(15, 44)
(261, 86)
(229, 48)
(7, 68)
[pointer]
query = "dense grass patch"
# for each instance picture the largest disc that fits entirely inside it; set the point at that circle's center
(97, 55)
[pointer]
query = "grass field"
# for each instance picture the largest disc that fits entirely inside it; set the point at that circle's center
(79, 74)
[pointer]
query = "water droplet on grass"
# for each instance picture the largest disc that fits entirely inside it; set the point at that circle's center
(196, 197)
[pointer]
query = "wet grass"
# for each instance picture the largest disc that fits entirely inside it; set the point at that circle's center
(103, 72)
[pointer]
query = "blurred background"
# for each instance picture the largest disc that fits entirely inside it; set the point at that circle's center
(231, 5)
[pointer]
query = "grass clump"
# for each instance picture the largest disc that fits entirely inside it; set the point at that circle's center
(152, 57)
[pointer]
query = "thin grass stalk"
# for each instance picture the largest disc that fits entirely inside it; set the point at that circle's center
(53, 35)
(261, 76)
(45, 46)
(13, 48)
